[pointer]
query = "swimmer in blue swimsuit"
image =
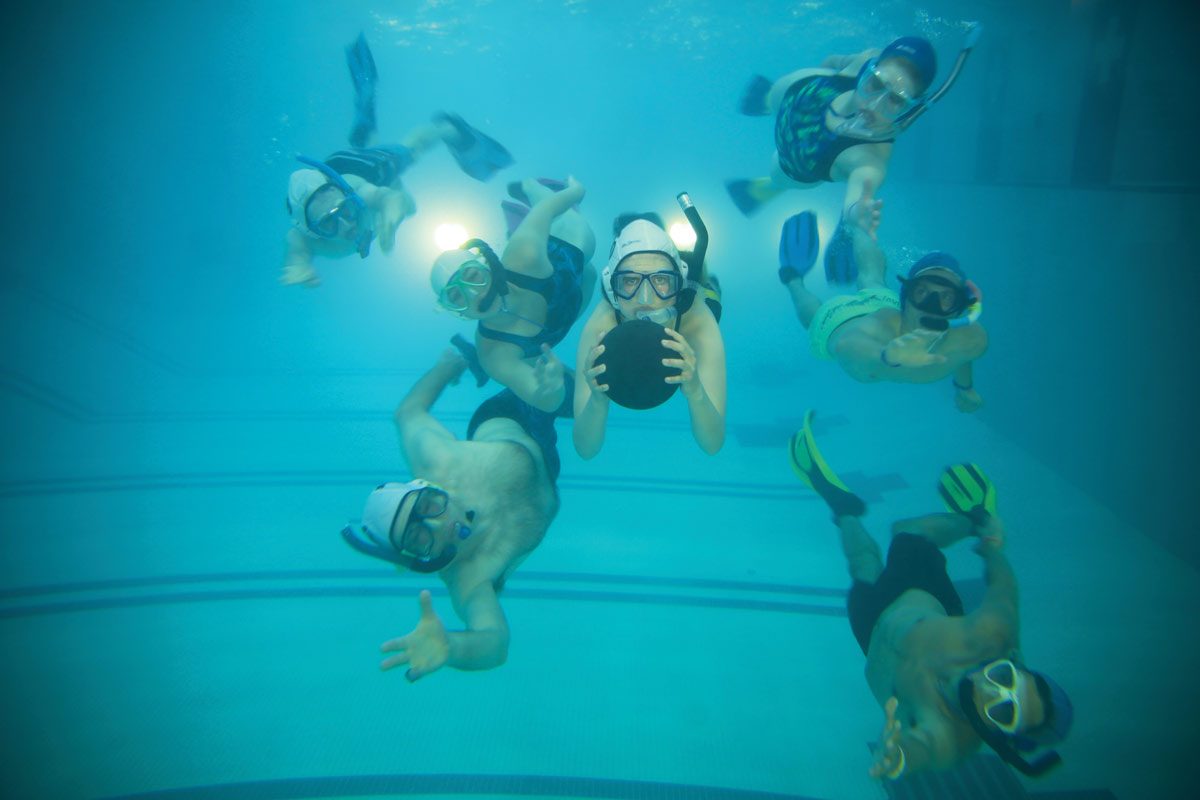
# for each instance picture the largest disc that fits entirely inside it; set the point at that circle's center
(341, 205)
(837, 123)
(527, 299)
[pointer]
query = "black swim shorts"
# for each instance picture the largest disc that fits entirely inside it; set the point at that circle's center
(535, 422)
(913, 562)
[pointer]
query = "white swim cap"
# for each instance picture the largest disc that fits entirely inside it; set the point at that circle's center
(640, 236)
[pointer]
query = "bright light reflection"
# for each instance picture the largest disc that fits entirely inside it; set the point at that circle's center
(449, 235)
(683, 236)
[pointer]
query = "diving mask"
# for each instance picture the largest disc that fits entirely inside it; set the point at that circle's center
(1004, 710)
(464, 286)
(328, 224)
(881, 96)
(627, 284)
(375, 535)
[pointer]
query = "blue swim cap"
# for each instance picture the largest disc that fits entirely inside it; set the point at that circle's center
(937, 260)
(1060, 713)
(918, 52)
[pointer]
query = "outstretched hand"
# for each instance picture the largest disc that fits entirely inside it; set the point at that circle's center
(299, 274)
(394, 211)
(888, 756)
(865, 212)
(425, 650)
(912, 349)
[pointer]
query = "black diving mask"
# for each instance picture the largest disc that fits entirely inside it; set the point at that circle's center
(934, 294)
(627, 283)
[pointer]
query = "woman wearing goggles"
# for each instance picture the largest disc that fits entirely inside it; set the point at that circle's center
(526, 300)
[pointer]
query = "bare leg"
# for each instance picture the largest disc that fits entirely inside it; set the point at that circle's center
(806, 302)
(863, 556)
(420, 139)
(570, 226)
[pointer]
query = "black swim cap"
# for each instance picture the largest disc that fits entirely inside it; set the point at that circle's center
(633, 354)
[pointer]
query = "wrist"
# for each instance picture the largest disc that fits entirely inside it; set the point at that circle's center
(960, 387)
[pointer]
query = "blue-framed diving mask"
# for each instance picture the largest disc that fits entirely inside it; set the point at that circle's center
(349, 215)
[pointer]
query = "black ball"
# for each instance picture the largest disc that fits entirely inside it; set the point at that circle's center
(633, 354)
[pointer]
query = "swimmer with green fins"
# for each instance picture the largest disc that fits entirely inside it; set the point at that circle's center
(655, 332)
(837, 123)
(947, 680)
(927, 332)
(480, 506)
(342, 204)
(525, 300)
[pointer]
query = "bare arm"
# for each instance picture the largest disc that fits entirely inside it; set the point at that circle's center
(297, 261)
(484, 644)
(526, 249)
(539, 384)
(591, 405)
(706, 397)
(849, 64)
(424, 441)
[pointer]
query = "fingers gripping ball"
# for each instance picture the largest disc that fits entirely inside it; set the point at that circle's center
(633, 356)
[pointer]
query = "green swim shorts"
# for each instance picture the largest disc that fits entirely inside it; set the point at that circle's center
(843, 308)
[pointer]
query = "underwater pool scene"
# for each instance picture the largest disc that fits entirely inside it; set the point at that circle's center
(907, 515)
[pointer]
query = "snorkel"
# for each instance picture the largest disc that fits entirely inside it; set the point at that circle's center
(362, 242)
(1005, 746)
(854, 125)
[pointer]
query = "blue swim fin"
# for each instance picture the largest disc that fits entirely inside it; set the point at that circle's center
(798, 245)
(478, 155)
(754, 97)
(840, 265)
(514, 215)
(364, 75)
(739, 192)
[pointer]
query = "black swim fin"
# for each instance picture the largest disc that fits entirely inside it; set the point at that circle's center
(754, 97)
(840, 265)
(364, 75)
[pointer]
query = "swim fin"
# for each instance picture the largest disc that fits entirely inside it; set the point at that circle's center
(472, 358)
(810, 467)
(754, 97)
(966, 490)
(798, 245)
(840, 265)
(739, 192)
(478, 155)
(364, 75)
(514, 215)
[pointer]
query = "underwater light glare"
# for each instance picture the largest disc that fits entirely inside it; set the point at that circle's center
(449, 235)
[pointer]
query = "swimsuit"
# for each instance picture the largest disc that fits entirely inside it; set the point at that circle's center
(563, 295)
(913, 562)
(806, 147)
(380, 166)
(535, 422)
(839, 310)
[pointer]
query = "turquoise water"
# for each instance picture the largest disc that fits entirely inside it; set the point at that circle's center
(184, 437)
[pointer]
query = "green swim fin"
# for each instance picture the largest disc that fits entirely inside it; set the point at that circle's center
(966, 490)
(810, 467)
